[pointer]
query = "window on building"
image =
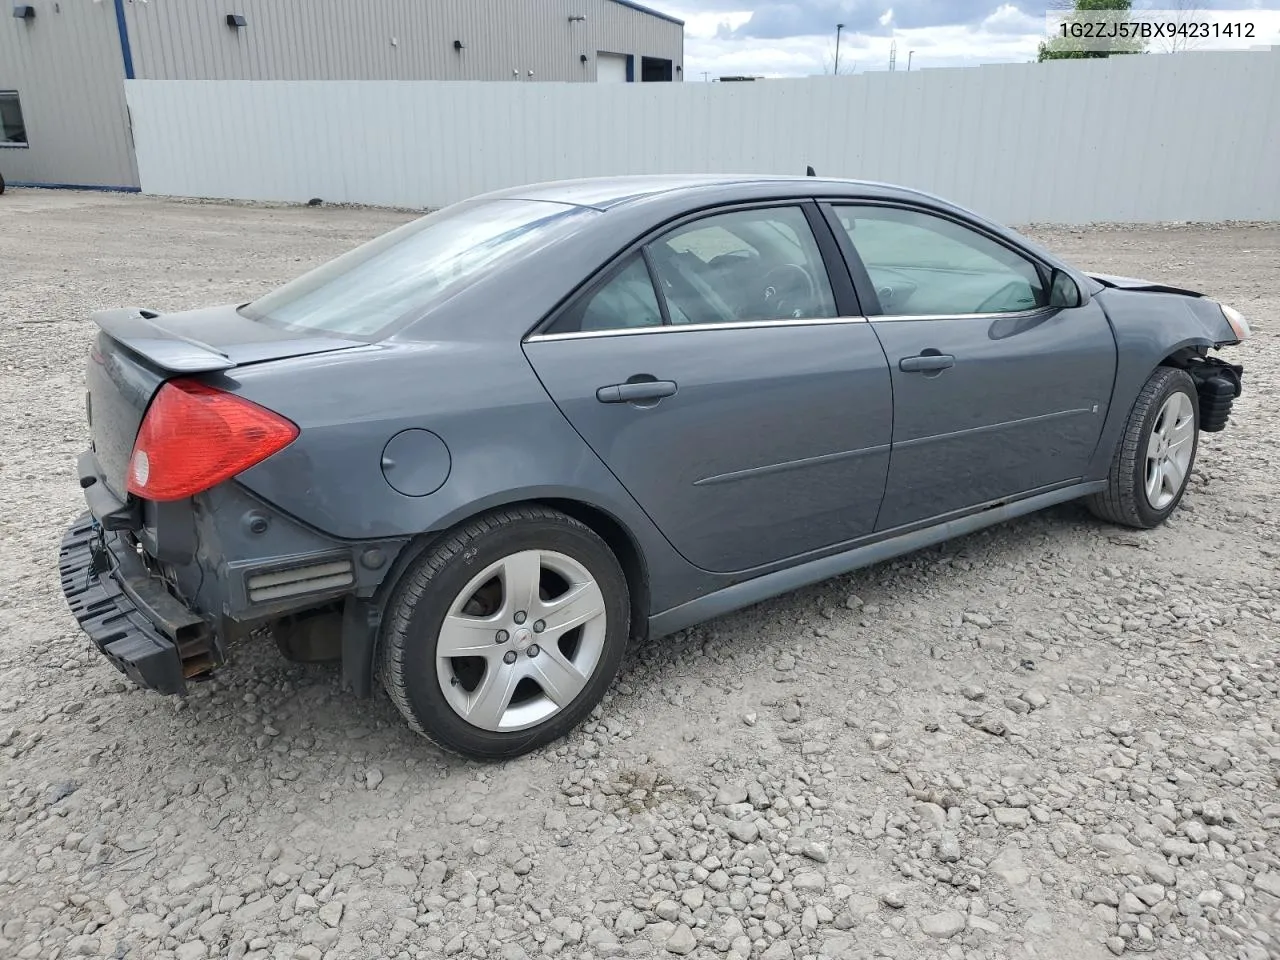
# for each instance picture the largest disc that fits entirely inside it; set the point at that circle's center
(654, 69)
(13, 132)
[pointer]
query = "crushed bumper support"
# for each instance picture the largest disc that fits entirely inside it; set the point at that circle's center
(148, 634)
(1218, 384)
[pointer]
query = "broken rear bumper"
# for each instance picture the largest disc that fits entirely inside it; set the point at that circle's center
(150, 635)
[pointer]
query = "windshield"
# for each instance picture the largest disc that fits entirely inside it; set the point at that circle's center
(414, 267)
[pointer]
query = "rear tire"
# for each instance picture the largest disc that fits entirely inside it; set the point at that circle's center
(502, 637)
(1154, 458)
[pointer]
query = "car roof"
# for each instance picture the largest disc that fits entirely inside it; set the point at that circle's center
(602, 193)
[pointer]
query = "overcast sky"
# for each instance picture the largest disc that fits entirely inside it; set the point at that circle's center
(780, 38)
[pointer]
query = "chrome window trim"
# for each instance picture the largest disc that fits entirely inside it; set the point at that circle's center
(889, 318)
(681, 327)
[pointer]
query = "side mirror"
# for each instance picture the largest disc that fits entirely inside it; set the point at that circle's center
(1063, 291)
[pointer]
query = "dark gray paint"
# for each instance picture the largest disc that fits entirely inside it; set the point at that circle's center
(1149, 326)
(777, 439)
(416, 462)
(118, 389)
(782, 581)
(753, 438)
(480, 398)
(1021, 408)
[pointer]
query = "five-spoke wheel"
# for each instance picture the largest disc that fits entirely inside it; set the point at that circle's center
(521, 640)
(1153, 460)
(501, 638)
(1169, 450)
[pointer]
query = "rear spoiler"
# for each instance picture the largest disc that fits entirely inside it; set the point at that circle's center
(136, 331)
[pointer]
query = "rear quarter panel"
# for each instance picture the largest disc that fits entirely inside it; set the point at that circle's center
(506, 439)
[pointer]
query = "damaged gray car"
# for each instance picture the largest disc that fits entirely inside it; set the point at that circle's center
(476, 456)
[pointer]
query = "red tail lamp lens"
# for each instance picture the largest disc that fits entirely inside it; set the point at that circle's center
(195, 436)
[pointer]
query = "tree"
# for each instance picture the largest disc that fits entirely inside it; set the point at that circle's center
(1070, 48)
(847, 66)
(1186, 12)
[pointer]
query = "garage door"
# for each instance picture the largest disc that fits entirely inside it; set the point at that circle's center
(611, 68)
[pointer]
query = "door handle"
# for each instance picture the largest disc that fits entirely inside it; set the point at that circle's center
(926, 362)
(634, 392)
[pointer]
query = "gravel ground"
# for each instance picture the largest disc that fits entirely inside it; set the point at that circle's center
(1050, 739)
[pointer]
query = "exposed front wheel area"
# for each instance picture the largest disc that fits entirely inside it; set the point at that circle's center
(503, 636)
(1153, 460)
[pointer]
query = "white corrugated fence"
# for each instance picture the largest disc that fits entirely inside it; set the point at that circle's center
(1190, 136)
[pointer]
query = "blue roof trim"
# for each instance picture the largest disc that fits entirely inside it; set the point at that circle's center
(649, 10)
(123, 28)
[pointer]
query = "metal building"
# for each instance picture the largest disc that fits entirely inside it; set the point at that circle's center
(63, 118)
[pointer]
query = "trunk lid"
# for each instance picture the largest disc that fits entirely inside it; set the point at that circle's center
(138, 350)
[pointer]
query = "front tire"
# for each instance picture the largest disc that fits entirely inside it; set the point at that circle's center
(1153, 461)
(502, 637)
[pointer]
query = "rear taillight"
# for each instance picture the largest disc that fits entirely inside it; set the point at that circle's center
(195, 436)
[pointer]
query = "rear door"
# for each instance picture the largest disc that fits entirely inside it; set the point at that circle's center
(996, 393)
(731, 385)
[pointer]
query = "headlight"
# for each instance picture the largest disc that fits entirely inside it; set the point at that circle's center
(1238, 323)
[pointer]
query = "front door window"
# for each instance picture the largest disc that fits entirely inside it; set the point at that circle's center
(923, 265)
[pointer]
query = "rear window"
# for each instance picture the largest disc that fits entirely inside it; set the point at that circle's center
(414, 267)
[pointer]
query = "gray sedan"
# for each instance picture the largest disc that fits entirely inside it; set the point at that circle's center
(473, 458)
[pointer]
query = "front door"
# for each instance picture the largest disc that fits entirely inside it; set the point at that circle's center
(996, 394)
(746, 416)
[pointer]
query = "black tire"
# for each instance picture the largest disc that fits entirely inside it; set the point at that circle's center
(1125, 500)
(422, 598)
(1, 183)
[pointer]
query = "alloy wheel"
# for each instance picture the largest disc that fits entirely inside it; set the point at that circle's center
(521, 640)
(1169, 450)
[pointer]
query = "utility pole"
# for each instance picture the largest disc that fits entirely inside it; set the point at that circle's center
(835, 72)
(910, 54)
(893, 54)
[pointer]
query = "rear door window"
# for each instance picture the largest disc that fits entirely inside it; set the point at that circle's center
(626, 301)
(743, 266)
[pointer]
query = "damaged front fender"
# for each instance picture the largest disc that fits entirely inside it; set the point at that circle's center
(1154, 327)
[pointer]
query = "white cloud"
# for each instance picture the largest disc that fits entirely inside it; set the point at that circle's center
(1008, 19)
(699, 25)
(1005, 35)
(705, 52)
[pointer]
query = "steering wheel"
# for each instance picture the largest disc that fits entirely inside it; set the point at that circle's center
(787, 288)
(893, 289)
(1013, 288)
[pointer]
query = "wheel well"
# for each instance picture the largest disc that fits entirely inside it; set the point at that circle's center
(1184, 357)
(361, 619)
(624, 548)
(613, 533)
